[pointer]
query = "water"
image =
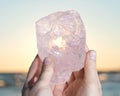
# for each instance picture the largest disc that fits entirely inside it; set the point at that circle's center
(11, 84)
(10, 91)
(111, 89)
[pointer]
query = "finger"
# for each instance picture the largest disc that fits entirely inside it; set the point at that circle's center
(58, 89)
(75, 75)
(79, 74)
(46, 73)
(90, 67)
(69, 82)
(66, 86)
(71, 79)
(33, 72)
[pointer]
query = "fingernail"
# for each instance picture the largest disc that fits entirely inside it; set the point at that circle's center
(47, 61)
(93, 55)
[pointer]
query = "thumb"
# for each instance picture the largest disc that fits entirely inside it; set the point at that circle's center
(90, 67)
(46, 73)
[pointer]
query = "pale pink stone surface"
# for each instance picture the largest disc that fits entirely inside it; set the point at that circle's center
(61, 35)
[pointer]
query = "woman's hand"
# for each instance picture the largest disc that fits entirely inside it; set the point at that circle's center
(38, 78)
(84, 82)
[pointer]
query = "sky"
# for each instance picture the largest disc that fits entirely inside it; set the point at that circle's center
(18, 34)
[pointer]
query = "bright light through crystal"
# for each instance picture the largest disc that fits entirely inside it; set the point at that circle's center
(59, 42)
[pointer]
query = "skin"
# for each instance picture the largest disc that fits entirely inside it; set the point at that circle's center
(81, 83)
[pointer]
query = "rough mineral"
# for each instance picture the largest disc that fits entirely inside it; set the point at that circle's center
(61, 36)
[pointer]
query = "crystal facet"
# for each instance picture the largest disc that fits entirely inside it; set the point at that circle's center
(61, 36)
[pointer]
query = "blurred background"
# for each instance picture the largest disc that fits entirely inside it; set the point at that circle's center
(18, 39)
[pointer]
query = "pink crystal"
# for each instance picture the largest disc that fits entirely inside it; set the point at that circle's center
(61, 35)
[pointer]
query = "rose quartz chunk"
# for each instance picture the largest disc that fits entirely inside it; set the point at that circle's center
(61, 36)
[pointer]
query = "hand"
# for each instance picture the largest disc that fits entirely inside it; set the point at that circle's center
(38, 79)
(84, 82)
